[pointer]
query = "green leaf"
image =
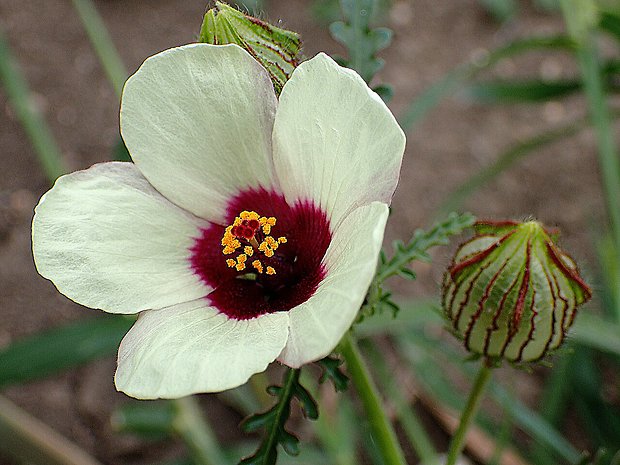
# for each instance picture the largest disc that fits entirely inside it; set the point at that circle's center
(308, 404)
(599, 418)
(426, 355)
(150, 419)
(434, 94)
(536, 90)
(337, 430)
(120, 152)
(507, 159)
(102, 44)
(610, 23)
(257, 421)
(35, 127)
(385, 91)
(377, 299)
(596, 332)
(52, 351)
(502, 10)
(274, 420)
(362, 42)
(332, 371)
(417, 247)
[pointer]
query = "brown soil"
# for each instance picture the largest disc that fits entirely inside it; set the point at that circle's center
(558, 185)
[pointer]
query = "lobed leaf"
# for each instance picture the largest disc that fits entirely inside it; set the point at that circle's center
(274, 420)
(361, 41)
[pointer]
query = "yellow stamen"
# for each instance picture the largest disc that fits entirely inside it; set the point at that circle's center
(258, 265)
(232, 243)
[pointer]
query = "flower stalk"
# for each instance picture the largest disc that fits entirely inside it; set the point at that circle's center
(473, 402)
(381, 428)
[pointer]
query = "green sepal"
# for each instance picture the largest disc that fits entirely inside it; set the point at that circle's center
(275, 48)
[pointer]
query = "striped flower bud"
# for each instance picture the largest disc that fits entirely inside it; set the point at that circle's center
(511, 292)
(275, 48)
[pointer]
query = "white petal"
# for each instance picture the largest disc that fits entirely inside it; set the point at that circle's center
(109, 240)
(193, 348)
(335, 141)
(197, 121)
(317, 325)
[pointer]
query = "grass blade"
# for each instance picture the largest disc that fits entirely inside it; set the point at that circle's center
(102, 43)
(31, 120)
(431, 97)
(47, 353)
(33, 442)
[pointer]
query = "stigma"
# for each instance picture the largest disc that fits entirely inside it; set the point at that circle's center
(249, 237)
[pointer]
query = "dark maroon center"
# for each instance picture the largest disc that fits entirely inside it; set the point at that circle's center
(298, 262)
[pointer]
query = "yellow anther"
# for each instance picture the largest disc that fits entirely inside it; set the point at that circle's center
(258, 265)
(251, 247)
(249, 215)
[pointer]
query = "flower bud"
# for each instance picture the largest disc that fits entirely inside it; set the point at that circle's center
(511, 292)
(276, 49)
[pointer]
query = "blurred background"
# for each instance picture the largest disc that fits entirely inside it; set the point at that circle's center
(507, 131)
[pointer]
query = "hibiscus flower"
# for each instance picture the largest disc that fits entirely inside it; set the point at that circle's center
(247, 228)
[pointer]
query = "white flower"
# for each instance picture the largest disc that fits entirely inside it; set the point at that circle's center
(185, 235)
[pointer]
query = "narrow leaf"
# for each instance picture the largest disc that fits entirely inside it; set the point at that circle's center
(52, 351)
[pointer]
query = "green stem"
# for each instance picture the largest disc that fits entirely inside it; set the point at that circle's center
(381, 427)
(197, 434)
(35, 126)
(468, 414)
(102, 43)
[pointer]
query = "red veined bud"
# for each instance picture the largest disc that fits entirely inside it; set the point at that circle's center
(511, 293)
